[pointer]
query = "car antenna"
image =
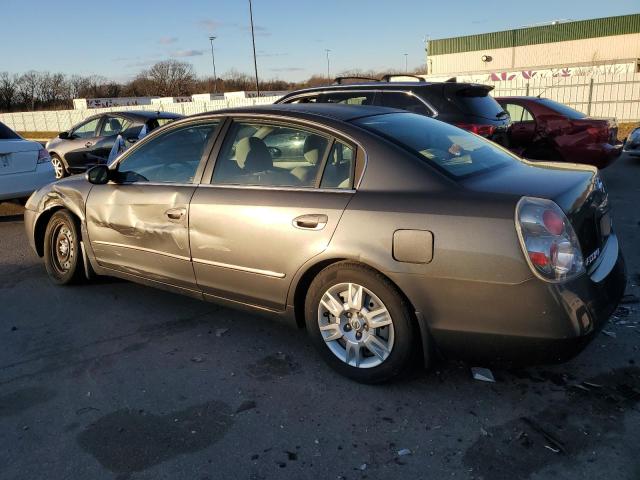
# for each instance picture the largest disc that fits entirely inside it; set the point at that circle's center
(548, 87)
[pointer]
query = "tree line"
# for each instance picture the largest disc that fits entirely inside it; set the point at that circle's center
(36, 90)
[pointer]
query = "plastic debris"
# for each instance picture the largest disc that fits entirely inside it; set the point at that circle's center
(197, 359)
(482, 374)
(246, 405)
(404, 451)
(610, 334)
(363, 467)
(554, 450)
(221, 331)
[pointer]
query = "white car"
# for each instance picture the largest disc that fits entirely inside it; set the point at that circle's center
(25, 166)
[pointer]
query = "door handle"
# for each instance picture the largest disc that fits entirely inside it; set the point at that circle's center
(88, 144)
(176, 213)
(312, 221)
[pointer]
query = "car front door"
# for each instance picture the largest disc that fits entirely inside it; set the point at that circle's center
(138, 224)
(274, 199)
(80, 144)
(110, 128)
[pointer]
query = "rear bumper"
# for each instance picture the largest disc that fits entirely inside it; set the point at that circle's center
(534, 322)
(22, 185)
(600, 155)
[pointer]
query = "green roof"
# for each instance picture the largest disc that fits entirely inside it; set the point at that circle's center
(561, 32)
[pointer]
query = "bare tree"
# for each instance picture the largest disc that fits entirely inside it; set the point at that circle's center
(28, 85)
(8, 89)
(170, 78)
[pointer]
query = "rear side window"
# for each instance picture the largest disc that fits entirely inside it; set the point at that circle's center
(338, 173)
(518, 113)
(348, 98)
(476, 101)
(561, 109)
(405, 101)
(6, 133)
(455, 151)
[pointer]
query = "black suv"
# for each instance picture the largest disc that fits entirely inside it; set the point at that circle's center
(466, 105)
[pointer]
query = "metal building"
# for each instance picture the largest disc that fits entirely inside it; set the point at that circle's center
(603, 45)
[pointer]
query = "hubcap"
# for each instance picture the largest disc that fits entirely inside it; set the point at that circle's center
(356, 325)
(62, 246)
(57, 167)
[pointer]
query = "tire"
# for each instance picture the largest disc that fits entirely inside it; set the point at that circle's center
(58, 167)
(339, 345)
(62, 253)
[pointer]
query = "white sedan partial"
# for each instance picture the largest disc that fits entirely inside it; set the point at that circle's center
(25, 166)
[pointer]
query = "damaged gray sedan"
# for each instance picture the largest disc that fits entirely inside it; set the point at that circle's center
(385, 234)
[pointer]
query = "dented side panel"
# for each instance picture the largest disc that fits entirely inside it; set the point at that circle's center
(142, 229)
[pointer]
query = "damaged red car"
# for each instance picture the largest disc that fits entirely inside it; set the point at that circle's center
(544, 129)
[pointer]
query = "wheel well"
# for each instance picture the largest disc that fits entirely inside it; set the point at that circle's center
(41, 227)
(302, 287)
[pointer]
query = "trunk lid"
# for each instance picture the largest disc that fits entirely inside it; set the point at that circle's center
(18, 156)
(577, 189)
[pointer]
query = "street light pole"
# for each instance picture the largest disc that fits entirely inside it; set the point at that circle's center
(328, 74)
(406, 64)
(213, 59)
(253, 39)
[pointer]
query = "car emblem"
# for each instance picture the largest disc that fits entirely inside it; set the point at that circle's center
(590, 259)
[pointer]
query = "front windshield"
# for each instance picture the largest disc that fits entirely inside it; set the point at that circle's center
(456, 151)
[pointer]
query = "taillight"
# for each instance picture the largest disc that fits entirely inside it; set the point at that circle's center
(548, 240)
(599, 134)
(43, 156)
(478, 128)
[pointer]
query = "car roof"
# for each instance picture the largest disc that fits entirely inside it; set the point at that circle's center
(148, 114)
(332, 111)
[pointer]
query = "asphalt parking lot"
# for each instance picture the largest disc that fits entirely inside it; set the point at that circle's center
(116, 380)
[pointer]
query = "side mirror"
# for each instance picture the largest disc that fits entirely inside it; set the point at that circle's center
(63, 135)
(98, 175)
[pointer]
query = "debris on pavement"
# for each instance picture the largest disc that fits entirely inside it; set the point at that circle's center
(362, 467)
(482, 374)
(610, 334)
(404, 451)
(221, 331)
(197, 359)
(246, 405)
(553, 449)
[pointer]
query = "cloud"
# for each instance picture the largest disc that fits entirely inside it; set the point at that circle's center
(287, 69)
(167, 40)
(187, 53)
(209, 24)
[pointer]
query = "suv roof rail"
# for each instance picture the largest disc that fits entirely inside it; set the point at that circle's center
(339, 80)
(389, 76)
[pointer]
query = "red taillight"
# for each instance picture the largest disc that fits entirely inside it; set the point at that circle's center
(539, 259)
(553, 222)
(478, 128)
(599, 134)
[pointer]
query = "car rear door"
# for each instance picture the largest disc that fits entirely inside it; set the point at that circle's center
(255, 220)
(139, 223)
(523, 128)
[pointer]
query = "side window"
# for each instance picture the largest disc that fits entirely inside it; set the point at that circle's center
(348, 98)
(86, 130)
(113, 126)
(518, 113)
(173, 157)
(405, 101)
(304, 100)
(270, 155)
(339, 171)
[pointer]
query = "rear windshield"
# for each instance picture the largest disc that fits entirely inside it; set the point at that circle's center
(6, 133)
(476, 101)
(451, 149)
(562, 109)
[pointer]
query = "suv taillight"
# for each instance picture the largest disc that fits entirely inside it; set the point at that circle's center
(478, 128)
(548, 240)
(43, 156)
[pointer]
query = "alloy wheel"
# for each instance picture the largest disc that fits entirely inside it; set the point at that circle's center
(355, 325)
(57, 167)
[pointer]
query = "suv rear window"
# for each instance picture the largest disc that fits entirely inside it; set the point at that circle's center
(455, 151)
(476, 101)
(7, 134)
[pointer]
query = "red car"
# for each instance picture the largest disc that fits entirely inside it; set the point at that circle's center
(547, 130)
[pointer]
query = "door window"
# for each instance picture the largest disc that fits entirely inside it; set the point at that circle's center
(173, 157)
(518, 113)
(405, 101)
(348, 98)
(113, 126)
(270, 155)
(86, 130)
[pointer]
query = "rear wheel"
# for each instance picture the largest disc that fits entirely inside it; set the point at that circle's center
(359, 322)
(58, 167)
(62, 254)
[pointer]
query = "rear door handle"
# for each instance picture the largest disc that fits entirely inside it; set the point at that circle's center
(312, 221)
(176, 213)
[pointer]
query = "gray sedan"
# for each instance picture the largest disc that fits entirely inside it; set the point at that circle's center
(384, 233)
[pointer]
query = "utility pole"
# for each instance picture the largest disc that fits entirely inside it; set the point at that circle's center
(406, 64)
(328, 71)
(253, 39)
(213, 59)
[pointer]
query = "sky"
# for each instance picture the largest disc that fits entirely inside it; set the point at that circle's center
(85, 37)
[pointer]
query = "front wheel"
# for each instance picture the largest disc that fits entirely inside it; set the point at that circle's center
(58, 167)
(62, 254)
(359, 322)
